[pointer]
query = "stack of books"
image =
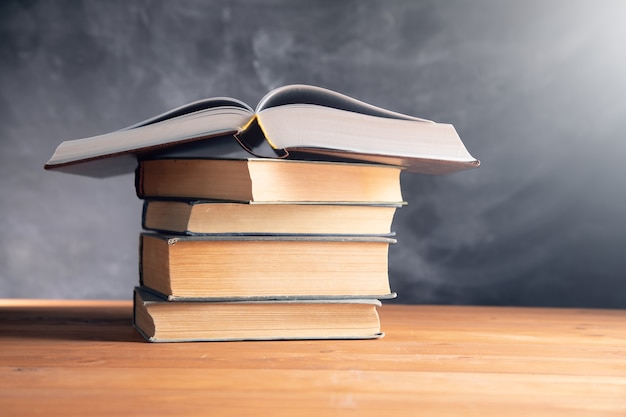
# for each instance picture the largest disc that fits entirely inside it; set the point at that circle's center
(263, 248)
(272, 223)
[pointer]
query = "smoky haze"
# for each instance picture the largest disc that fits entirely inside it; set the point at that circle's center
(535, 89)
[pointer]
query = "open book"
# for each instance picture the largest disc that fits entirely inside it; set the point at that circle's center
(294, 121)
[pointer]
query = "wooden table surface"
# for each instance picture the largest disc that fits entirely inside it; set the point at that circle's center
(82, 358)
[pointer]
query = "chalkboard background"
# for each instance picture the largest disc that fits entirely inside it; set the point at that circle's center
(536, 89)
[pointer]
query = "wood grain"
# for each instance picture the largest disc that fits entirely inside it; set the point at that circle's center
(78, 358)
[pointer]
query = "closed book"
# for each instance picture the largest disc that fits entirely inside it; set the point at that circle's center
(211, 217)
(264, 267)
(269, 181)
(159, 320)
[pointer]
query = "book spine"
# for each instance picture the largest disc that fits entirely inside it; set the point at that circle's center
(140, 265)
(253, 139)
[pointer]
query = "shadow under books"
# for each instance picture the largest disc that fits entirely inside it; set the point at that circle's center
(87, 323)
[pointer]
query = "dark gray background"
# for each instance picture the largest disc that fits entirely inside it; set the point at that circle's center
(536, 89)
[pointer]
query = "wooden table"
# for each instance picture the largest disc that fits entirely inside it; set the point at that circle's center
(82, 358)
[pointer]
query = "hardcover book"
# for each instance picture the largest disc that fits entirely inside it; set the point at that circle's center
(211, 217)
(269, 181)
(226, 267)
(294, 121)
(159, 320)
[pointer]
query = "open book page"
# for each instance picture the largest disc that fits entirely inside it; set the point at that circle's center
(153, 135)
(203, 105)
(307, 94)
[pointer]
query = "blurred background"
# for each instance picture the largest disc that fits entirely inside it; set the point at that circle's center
(536, 90)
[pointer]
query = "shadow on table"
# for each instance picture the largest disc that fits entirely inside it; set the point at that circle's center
(88, 323)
